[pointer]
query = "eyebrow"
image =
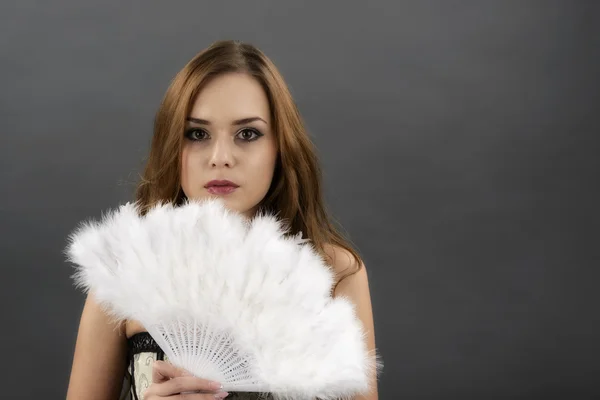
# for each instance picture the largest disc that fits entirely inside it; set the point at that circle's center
(236, 122)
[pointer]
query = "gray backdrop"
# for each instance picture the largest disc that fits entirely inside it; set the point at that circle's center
(458, 140)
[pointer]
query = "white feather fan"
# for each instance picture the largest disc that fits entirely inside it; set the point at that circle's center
(228, 299)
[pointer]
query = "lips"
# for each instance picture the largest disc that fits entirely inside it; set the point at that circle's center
(221, 187)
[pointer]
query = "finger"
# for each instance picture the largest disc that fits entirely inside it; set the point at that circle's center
(163, 371)
(198, 396)
(182, 384)
(188, 396)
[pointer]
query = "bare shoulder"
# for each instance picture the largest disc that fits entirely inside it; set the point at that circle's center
(354, 286)
(354, 282)
(344, 265)
(99, 360)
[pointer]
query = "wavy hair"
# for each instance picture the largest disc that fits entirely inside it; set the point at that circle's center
(295, 194)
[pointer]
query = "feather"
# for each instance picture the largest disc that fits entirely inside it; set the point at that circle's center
(231, 299)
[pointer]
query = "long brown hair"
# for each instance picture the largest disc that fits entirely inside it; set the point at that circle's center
(295, 194)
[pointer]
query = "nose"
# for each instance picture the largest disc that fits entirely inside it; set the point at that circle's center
(221, 154)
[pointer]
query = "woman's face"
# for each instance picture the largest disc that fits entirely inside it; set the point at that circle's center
(229, 148)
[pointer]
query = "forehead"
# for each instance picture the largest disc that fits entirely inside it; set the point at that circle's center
(231, 96)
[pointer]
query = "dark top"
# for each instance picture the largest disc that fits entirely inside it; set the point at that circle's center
(142, 352)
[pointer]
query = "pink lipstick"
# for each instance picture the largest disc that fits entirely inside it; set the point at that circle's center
(220, 187)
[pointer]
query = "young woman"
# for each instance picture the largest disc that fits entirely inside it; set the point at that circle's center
(227, 127)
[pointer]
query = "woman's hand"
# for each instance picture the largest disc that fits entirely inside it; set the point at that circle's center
(174, 383)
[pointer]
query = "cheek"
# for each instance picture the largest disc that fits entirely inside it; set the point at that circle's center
(264, 165)
(184, 165)
(187, 172)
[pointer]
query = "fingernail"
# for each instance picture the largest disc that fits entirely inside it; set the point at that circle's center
(221, 395)
(216, 386)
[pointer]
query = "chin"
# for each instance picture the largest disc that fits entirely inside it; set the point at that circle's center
(232, 203)
(245, 209)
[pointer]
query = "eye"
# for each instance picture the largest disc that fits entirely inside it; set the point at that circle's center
(249, 135)
(196, 134)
